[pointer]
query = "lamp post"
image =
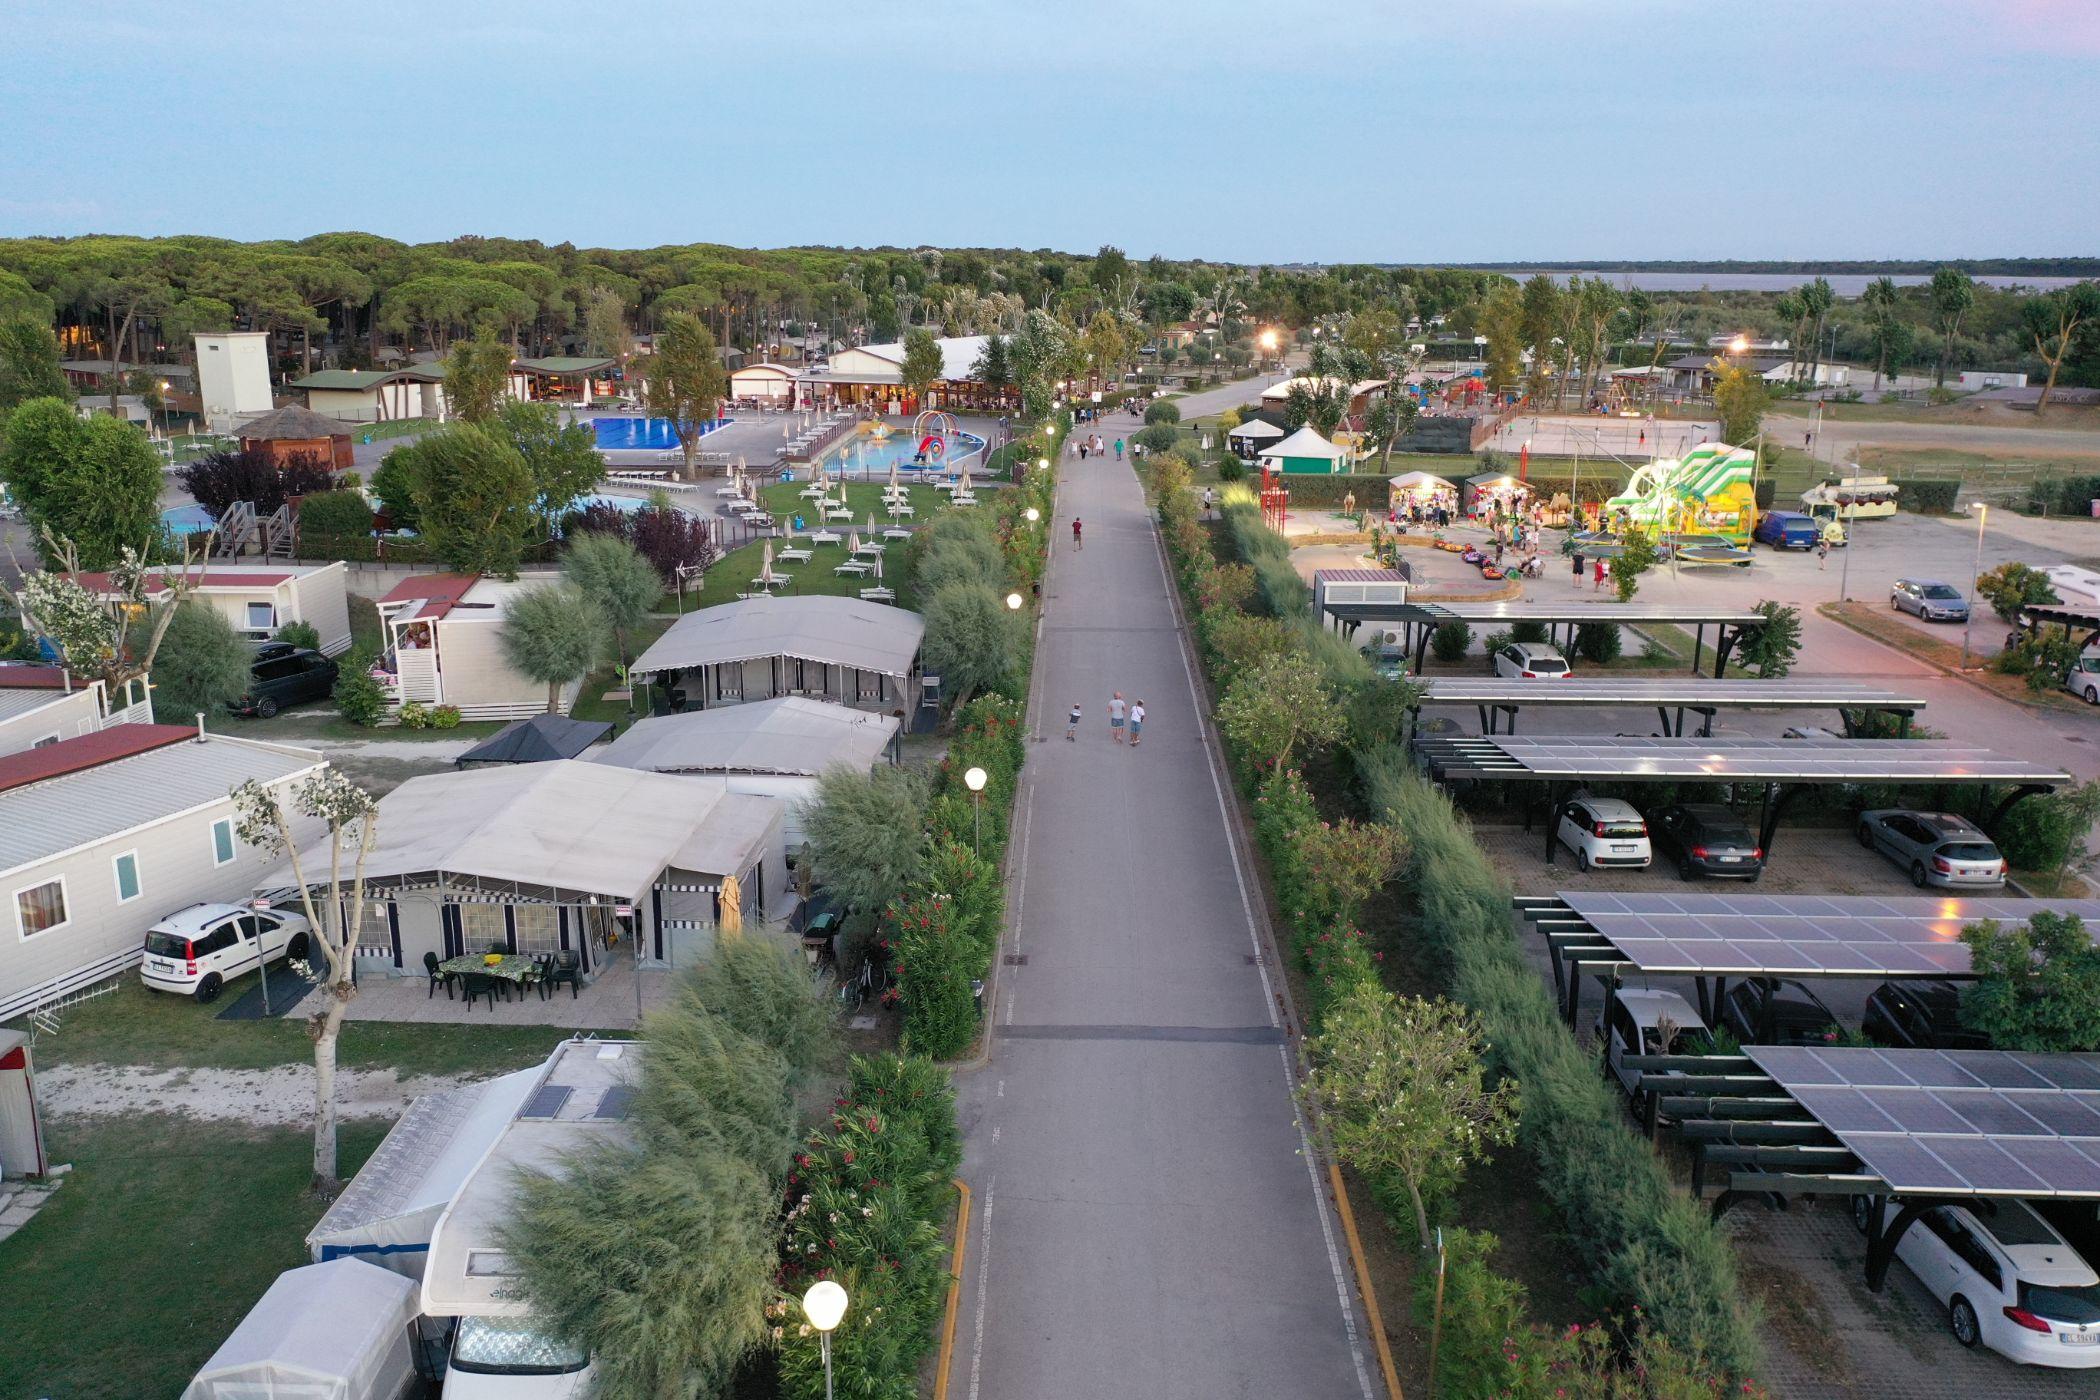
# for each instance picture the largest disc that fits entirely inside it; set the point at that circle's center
(825, 1307)
(1032, 515)
(976, 778)
(1983, 513)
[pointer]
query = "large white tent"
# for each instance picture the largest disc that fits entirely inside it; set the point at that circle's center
(337, 1331)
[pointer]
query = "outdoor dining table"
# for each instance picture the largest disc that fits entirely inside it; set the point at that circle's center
(514, 968)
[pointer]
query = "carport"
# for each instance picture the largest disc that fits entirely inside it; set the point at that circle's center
(1713, 937)
(1673, 699)
(1918, 1127)
(2074, 620)
(1784, 767)
(1417, 621)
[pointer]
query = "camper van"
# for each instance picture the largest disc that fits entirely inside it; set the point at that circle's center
(497, 1351)
(1853, 498)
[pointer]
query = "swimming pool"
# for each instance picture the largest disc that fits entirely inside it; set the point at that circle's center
(640, 434)
(185, 520)
(863, 455)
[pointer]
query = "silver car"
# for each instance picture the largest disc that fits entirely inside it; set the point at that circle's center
(1929, 599)
(1936, 848)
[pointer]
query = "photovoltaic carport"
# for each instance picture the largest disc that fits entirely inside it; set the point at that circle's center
(2074, 620)
(1783, 767)
(1713, 937)
(1673, 698)
(1418, 620)
(1919, 1127)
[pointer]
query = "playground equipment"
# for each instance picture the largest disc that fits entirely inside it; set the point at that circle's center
(1708, 491)
(935, 429)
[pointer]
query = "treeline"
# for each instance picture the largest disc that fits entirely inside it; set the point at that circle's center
(1870, 267)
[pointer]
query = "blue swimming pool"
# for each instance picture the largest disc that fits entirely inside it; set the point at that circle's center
(640, 434)
(861, 454)
(185, 520)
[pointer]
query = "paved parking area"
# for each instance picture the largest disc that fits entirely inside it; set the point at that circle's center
(1805, 860)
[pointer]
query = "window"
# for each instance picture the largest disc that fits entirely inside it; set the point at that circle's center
(41, 908)
(47, 741)
(222, 847)
(539, 927)
(127, 871)
(262, 617)
(481, 925)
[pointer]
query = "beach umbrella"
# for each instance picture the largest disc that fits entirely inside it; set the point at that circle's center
(878, 566)
(962, 487)
(732, 898)
(852, 541)
(894, 482)
(765, 567)
(871, 526)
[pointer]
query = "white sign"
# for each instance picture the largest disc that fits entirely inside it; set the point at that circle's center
(624, 911)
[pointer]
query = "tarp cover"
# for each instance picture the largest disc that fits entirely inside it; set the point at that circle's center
(336, 1331)
(537, 740)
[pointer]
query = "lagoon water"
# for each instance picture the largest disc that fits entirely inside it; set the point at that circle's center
(1845, 284)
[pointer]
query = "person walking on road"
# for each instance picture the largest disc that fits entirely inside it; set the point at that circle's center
(1137, 722)
(1076, 544)
(1117, 712)
(1822, 552)
(1578, 568)
(1119, 449)
(1072, 724)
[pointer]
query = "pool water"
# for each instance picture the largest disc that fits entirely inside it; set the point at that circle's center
(861, 454)
(184, 520)
(640, 434)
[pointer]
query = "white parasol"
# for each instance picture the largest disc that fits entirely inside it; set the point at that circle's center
(765, 566)
(852, 541)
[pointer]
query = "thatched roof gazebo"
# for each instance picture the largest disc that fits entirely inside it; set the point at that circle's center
(286, 433)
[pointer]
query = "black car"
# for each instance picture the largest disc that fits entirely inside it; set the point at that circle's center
(1920, 1016)
(1705, 838)
(1770, 1011)
(283, 675)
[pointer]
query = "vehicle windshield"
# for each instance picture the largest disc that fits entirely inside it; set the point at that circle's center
(167, 945)
(2089, 663)
(1940, 592)
(2062, 1303)
(508, 1346)
(1969, 850)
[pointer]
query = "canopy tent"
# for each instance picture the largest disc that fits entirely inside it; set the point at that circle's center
(1420, 481)
(839, 631)
(1305, 451)
(337, 1331)
(536, 740)
(1255, 430)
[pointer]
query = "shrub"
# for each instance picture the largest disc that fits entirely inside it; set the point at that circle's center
(414, 715)
(1231, 468)
(359, 698)
(2047, 832)
(299, 634)
(1770, 650)
(1927, 497)
(203, 664)
(1527, 632)
(2009, 588)
(1451, 641)
(250, 474)
(1160, 437)
(445, 717)
(935, 961)
(328, 514)
(1162, 411)
(1597, 642)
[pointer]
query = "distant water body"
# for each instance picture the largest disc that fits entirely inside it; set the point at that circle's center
(1845, 284)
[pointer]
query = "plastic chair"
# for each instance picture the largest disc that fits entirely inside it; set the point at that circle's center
(567, 967)
(437, 977)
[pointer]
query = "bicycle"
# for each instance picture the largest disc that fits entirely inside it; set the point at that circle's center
(854, 990)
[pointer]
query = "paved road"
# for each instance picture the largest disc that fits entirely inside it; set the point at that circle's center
(1839, 441)
(1149, 1221)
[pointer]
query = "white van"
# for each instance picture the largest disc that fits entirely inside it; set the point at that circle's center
(198, 950)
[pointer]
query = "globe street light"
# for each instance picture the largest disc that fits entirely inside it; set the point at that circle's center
(825, 1307)
(1033, 515)
(975, 780)
(1013, 601)
(1042, 464)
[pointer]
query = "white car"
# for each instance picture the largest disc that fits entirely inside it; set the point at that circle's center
(1645, 1022)
(1603, 831)
(2008, 1280)
(2083, 679)
(198, 950)
(1532, 661)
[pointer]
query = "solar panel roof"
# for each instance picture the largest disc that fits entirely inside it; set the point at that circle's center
(1750, 935)
(1679, 690)
(1536, 610)
(1633, 758)
(1953, 1122)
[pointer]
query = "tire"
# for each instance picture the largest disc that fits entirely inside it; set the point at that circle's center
(1862, 1212)
(1917, 874)
(1896, 605)
(208, 990)
(1961, 1321)
(265, 708)
(2092, 695)
(295, 947)
(1866, 837)
(1685, 871)
(1582, 861)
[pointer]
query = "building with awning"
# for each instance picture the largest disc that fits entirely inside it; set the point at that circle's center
(765, 382)
(1247, 438)
(875, 374)
(1305, 452)
(850, 652)
(573, 379)
(376, 395)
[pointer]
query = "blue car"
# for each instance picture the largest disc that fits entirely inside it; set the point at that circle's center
(1785, 529)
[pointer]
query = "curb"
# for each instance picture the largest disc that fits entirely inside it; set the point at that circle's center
(955, 1278)
(2034, 706)
(1373, 1317)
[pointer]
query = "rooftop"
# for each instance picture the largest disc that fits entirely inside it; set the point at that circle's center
(357, 380)
(294, 424)
(791, 735)
(838, 631)
(27, 676)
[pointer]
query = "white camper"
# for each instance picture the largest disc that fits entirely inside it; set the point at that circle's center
(339, 1331)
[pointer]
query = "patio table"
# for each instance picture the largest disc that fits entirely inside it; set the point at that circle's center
(513, 967)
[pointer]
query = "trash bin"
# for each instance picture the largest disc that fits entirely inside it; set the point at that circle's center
(2096, 509)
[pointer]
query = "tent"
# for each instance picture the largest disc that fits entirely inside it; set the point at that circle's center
(1419, 481)
(21, 1131)
(338, 1331)
(1306, 451)
(537, 740)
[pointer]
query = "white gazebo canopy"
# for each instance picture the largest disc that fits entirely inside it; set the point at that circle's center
(1303, 444)
(1420, 481)
(1256, 430)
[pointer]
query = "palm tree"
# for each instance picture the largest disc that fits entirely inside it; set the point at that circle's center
(1880, 299)
(1953, 294)
(1816, 301)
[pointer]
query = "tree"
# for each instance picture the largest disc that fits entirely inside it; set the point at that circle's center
(2011, 588)
(1792, 310)
(2037, 987)
(477, 379)
(605, 324)
(1501, 320)
(991, 368)
(1105, 345)
(1953, 295)
(1637, 555)
(1401, 1082)
(1741, 398)
(554, 635)
(1347, 862)
(1816, 301)
(1770, 649)
(2052, 320)
(1391, 418)
(94, 483)
(615, 577)
(562, 458)
(351, 816)
(218, 479)
(90, 634)
(1283, 702)
(29, 363)
(867, 834)
(475, 499)
(684, 382)
(922, 364)
(2047, 832)
(973, 640)
(1880, 299)
(203, 664)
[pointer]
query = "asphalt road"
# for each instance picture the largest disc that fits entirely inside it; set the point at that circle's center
(1149, 1220)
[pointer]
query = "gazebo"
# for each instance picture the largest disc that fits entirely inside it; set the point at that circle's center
(1248, 437)
(1305, 452)
(1425, 488)
(286, 433)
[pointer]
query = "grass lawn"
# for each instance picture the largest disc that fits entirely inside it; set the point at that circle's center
(1884, 626)
(784, 500)
(134, 1026)
(590, 700)
(163, 1236)
(398, 427)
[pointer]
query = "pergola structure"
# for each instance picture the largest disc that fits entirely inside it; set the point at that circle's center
(1921, 1128)
(1783, 767)
(1497, 696)
(1417, 621)
(2073, 619)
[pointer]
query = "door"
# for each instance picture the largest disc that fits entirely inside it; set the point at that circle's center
(1927, 1250)
(1574, 826)
(1625, 1040)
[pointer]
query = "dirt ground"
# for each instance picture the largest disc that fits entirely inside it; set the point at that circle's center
(280, 1097)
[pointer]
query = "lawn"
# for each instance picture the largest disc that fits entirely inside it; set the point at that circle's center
(165, 1233)
(134, 1026)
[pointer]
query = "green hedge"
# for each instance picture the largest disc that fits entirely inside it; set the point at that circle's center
(1369, 489)
(2065, 495)
(1926, 497)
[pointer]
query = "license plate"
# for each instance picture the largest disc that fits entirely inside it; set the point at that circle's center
(1730, 860)
(2079, 1339)
(1622, 850)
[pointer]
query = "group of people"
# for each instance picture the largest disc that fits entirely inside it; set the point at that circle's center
(1091, 446)
(1121, 716)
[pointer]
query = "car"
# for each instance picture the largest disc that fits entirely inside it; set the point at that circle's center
(282, 675)
(1937, 848)
(1785, 529)
(1705, 838)
(1603, 831)
(1775, 1011)
(198, 950)
(1929, 599)
(1921, 1015)
(2083, 678)
(1645, 1022)
(1532, 661)
(2008, 1280)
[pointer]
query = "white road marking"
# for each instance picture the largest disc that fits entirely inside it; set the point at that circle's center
(984, 1274)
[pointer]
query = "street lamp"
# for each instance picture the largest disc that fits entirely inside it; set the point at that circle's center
(825, 1307)
(1042, 464)
(1983, 513)
(1033, 515)
(975, 780)
(1013, 601)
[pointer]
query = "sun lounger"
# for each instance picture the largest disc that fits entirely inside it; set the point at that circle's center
(878, 595)
(853, 566)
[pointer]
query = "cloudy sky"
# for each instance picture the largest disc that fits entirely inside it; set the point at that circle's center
(1290, 130)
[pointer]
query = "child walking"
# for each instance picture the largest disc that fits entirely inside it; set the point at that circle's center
(1072, 723)
(1137, 722)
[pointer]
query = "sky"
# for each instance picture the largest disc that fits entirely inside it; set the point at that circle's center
(1282, 131)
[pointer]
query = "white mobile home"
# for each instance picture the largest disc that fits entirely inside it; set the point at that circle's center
(104, 834)
(850, 652)
(258, 600)
(41, 705)
(444, 636)
(376, 395)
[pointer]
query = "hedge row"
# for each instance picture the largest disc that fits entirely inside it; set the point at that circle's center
(2065, 495)
(1927, 497)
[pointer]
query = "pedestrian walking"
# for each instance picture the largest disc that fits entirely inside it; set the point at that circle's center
(1578, 568)
(1119, 449)
(1072, 723)
(1603, 572)
(1117, 713)
(1075, 534)
(1822, 552)
(1137, 722)
(1082, 452)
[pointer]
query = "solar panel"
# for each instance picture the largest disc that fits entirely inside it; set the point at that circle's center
(613, 1103)
(1748, 935)
(1536, 610)
(1970, 1122)
(1684, 691)
(546, 1101)
(1638, 758)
